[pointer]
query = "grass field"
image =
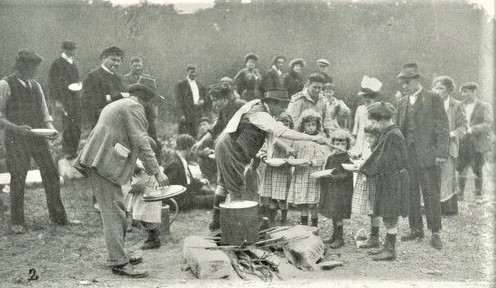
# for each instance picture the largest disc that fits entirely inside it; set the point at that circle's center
(74, 256)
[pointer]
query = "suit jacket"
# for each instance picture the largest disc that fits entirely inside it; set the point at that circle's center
(480, 123)
(122, 122)
(96, 86)
(60, 75)
(431, 123)
(457, 124)
(184, 100)
(272, 80)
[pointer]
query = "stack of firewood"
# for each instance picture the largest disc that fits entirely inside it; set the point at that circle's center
(301, 246)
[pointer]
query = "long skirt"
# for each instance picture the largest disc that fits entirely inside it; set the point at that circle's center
(448, 187)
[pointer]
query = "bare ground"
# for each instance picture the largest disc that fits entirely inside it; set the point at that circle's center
(74, 256)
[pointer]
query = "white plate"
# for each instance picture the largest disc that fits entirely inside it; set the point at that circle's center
(296, 162)
(350, 167)
(162, 193)
(44, 132)
(322, 173)
(75, 86)
(275, 162)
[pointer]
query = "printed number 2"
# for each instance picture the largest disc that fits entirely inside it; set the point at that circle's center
(32, 274)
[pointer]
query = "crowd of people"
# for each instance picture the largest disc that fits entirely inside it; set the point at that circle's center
(381, 164)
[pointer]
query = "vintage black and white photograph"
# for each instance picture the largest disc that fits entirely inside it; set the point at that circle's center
(247, 143)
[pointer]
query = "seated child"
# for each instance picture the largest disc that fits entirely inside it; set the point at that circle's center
(177, 169)
(337, 188)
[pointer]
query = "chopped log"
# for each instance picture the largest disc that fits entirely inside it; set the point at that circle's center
(306, 252)
(306, 249)
(205, 264)
(328, 265)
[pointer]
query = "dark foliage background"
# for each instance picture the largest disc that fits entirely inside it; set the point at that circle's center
(444, 37)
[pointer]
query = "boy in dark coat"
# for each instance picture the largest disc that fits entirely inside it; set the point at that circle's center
(337, 188)
(386, 166)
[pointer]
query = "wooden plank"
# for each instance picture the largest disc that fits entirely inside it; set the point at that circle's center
(205, 264)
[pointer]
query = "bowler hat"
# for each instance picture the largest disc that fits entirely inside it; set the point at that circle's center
(323, 62)
(146, 84)
(277, 94)
(28, 56)
(69, 45)
(384, 109)
(409, 71)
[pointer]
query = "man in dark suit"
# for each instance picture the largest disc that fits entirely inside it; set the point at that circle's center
(102, 86)
(423, 121)
(273, 79)
(476, 142)
(62, 73)
(192, 102)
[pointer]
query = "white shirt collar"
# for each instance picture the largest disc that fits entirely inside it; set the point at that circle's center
(278, 71)
(190, 80)
(67, 58)
(24, 83)
(446, 103)
(106, 69)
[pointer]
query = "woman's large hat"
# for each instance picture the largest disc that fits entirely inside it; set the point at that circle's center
(370, 87)
(146, 84)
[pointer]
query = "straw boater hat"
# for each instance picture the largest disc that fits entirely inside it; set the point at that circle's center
(370, 87)
(146, 84)
(409, 71)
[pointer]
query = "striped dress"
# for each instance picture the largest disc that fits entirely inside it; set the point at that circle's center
(305, 189)
(276, 180)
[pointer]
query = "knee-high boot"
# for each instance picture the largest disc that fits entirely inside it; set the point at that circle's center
(215, 224)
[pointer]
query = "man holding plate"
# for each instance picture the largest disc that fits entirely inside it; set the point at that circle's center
(22, 108)
(64, 86)
(108, 161)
